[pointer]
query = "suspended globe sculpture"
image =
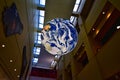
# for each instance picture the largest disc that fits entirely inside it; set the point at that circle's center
(59, 36)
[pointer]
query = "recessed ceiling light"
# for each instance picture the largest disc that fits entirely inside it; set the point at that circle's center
(3, 45)
(11, 60)
(15, 69)
(93, 29)
(97, 32)
(118, 27)
(108, 15)
(103, 12)
(18, 76)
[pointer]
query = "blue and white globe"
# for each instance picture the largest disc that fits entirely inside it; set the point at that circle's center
(59, 36)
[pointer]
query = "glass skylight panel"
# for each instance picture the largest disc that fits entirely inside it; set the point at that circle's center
(39, 42)
(41, 19)
(42, 13)
(35, 60)
(39, 38)
(75, 8)
(42, 2)
(39, 34)
(36, 50)
(81, 6)
(40, 25)
(77, 1)
(71, 18)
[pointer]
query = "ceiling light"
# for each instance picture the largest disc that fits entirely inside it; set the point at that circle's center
(60, 38)
(108, 15)
(18, 76)
(103, 12)
(97, 32)
(3, 45)
(15, 69)
(118, 27)
(11, 61)
(93, 29)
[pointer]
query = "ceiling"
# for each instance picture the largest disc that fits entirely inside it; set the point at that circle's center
(58, 9)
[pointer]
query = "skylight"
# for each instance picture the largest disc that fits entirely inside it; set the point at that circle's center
(78, 6)
(77, 1)
(38, 38)
(42, 2)
(35, 60)
(41, 18)
(71, 18)
(36, 50)
(75, 8)
(42, 13)
(40, 25)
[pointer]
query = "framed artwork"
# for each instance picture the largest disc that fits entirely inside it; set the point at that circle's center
(11, 21)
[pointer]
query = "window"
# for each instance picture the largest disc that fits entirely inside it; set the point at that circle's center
(78, 6)
(41, 19)
(42, 2)
(36, 50)
(38, 38)
(35, 60)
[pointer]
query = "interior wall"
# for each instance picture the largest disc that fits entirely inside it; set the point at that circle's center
(3, 76)
(91, 71)
(107, 59)
(94, 13)
(109, 56)
(14, 44)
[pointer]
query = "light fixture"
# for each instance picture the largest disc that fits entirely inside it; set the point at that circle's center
(15, 69)
(103, 12)
(3, 45)
(18, 76)
(108, 15)
(118, 27)
(93, 29)
(59, 36)
(11, 61)
(97, 31)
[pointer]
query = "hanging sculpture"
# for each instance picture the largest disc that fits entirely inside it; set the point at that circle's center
(59, 36)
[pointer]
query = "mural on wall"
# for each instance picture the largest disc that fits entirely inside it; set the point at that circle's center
(11, 21)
